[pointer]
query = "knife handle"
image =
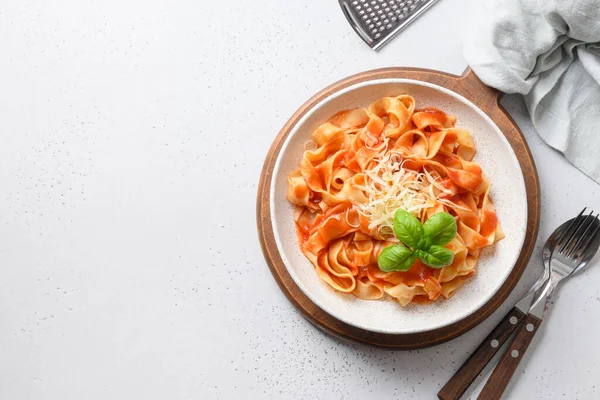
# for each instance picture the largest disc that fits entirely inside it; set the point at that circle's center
(509, 362)
(467, 373)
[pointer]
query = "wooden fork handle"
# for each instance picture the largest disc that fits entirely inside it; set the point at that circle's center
(509, 362)
(467, 373)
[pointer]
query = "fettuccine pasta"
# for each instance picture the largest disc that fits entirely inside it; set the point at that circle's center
(365, 164)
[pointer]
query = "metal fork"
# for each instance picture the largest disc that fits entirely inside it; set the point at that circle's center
(569, 256)
(574, 248)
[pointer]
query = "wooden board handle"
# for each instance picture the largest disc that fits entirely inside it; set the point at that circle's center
(484, 96)
(468, 372)
(498, 381)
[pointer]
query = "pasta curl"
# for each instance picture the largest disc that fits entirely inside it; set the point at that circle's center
(366, 162)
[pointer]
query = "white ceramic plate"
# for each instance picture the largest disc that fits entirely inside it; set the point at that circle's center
(498, 162)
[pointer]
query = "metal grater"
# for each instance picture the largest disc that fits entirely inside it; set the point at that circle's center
(378, 21)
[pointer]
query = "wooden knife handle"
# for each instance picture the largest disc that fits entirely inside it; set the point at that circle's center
(467, 373)
(509, 362)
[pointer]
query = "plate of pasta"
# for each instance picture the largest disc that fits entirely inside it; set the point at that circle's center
(397, 206)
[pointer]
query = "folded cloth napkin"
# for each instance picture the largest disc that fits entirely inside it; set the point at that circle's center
(549, 51)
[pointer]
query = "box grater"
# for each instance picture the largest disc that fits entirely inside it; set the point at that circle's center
(378, 21)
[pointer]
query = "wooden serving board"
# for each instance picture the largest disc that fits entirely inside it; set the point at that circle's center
(487, 99)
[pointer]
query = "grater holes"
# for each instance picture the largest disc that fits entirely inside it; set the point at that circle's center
(380, 17)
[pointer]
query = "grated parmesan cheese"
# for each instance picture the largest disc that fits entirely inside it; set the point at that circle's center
(389, 186)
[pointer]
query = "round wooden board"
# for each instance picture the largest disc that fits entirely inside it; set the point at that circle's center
(470, 87)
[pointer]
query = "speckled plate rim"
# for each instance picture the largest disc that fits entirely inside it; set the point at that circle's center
(484, 98)
(464, 312)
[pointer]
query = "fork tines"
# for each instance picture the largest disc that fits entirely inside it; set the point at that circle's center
(591, 229)
(578, 235)
(567, 234)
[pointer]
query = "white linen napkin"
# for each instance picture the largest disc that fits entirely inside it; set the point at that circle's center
(549, 51)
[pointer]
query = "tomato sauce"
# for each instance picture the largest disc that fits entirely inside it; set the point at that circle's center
(419, 272)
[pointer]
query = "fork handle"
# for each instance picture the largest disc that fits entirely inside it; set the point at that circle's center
(467, 373)
(498, 381)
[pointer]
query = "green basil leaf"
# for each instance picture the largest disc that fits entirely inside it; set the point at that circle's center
(441, 229)
(396, 258)
(407, 228)
(436, 256)
(425, 242)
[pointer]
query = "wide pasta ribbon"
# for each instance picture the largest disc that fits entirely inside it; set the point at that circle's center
(329, 188)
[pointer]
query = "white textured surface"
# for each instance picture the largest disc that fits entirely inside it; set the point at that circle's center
(132, 136)
(495, 157)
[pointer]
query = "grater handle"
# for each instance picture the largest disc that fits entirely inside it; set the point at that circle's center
(486, 97)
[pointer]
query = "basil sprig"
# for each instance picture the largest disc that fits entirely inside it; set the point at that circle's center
(423, 241)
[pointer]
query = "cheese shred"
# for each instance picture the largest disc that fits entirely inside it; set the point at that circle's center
(389, 186)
